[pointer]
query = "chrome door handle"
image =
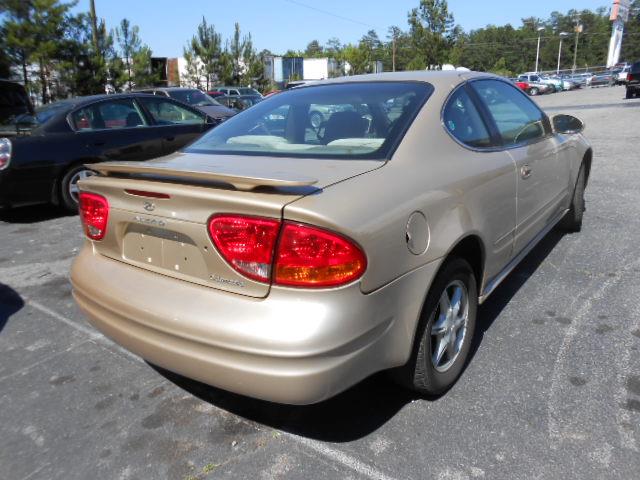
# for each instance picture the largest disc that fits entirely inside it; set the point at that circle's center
(525, 171)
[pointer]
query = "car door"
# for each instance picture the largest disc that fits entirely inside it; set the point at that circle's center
(543, 173)
(116, 129)
(177, 124)
(494, 172)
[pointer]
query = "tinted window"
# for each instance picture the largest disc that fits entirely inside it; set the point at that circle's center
(112, 114)
(193, 97)
(517, 118)
(464, 122)
(165, 112)
(47, 112)
(355, 122)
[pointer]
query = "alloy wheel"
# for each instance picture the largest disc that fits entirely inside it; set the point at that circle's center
(74, 190)
(450, 326)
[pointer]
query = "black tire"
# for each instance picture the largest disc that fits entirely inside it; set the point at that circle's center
(67, 200)
(420, 374)
(572, 221)
(533, 91)
(629, 94)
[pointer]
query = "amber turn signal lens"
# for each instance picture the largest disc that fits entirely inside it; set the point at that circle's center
(313, 257)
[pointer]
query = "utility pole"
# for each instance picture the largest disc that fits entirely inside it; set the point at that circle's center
(562, 35)
(393, 56)
(578, 30)
(540, 29)
(94, 24)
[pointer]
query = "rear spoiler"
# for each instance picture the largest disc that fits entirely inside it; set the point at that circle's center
(237, 178)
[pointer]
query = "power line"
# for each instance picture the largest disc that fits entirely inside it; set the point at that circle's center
(326, 12)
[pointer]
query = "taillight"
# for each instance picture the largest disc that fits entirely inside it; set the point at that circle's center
(94, 213)
(629, 77)
(247, 243)
(302, 256)
(313, 257)
(5, 153)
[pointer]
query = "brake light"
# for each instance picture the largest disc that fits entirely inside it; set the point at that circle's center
(247, 243)
(94, 214)
(302, 256)
(629, 77)
(5, 153)
(313, 257)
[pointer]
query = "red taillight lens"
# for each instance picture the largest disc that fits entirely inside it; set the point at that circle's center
(306, 256)
(94, 213)
(247, 243)
(311, 257)
(629, 77)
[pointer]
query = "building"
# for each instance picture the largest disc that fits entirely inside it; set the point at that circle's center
(281, 70)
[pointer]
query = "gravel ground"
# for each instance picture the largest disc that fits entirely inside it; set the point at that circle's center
(553, 389)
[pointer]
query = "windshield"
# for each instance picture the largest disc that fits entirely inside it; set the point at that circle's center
(350, 121)
(193, 97)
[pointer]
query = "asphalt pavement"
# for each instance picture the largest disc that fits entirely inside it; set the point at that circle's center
(552, 391)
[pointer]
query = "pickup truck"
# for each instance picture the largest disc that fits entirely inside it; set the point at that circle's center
(633, 81)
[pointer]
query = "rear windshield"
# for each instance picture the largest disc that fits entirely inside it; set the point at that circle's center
(349, 120)
(47, 112)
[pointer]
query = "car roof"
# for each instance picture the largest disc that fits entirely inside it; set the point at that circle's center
(167, 89)
(438, 78)
(79, 101)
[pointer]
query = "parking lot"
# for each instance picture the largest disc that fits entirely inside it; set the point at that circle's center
(552, 390)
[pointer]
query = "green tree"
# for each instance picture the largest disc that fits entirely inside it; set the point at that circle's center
(142, 70)
(129, 42)
(314, 49)
(631, 40)
(192, 69)
(431, 27)
(207, 45)
(5, 61)
(34, 31)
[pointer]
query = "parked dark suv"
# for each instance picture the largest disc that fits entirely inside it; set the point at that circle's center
(633, 80)
(14, 102)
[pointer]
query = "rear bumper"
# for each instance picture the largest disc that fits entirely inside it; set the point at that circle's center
(295, 346)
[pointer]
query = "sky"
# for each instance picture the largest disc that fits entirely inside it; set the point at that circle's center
(278, 25)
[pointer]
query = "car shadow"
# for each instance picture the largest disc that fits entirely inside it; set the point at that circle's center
(371, 403)
(33, 214)
(10, 303)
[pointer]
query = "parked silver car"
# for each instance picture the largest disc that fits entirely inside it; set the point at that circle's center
(287, 262)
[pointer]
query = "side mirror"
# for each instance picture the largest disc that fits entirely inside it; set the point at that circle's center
(567, 124)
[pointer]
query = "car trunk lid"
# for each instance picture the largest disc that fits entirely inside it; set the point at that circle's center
(159, 210)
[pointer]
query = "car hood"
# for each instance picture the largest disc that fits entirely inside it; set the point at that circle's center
(217, 111)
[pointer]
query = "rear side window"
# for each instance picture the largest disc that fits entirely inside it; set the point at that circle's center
(517, 118)
(165, 112)
(110, 115)
(345, 121)
(463, 121)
